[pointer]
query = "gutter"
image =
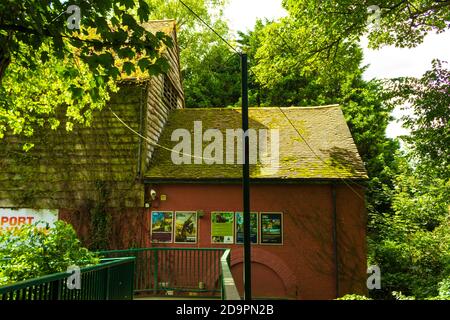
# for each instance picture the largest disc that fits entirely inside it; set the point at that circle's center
(360, 181)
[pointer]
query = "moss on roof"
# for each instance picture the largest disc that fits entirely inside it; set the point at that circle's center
(334, 154)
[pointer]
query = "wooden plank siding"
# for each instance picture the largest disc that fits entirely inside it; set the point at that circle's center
(71, 169)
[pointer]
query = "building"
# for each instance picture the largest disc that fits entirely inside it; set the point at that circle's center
(309, 232)
(92, 172)
(118, 184)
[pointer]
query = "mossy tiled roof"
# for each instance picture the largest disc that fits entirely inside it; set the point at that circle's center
(334, 154)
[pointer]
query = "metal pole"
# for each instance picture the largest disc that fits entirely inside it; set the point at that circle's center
(335, 239)
(246, 182)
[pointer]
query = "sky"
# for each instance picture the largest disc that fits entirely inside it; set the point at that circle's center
(387, 62)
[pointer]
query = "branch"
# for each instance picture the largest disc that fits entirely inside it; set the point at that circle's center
(47, 33)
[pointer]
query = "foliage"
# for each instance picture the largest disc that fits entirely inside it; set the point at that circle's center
(353, 297)
(40, 57)
(402, 23)
(443, 292)
(34, 98)
(213, 81)
(368, 115)
(101, 218)
(30, 251)
(290, 75)
(211, 72)
(428, 98)
(412, 246)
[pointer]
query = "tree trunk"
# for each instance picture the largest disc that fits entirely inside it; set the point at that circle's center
(5, 54)
(4, 63)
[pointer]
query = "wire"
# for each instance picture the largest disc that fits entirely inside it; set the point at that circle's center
(209, 27)
(287, 118)
(317, 156)
(154, 144)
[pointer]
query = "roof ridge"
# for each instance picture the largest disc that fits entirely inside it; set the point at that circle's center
(160, 20)
(263, 108)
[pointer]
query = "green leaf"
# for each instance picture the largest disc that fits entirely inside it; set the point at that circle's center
(125, 53)
(144, 64)
(77, 92)
(127, 3)
(44, 56)
(143, 11)
(106, 59)
(128, 67)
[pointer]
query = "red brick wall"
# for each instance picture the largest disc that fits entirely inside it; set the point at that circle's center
(303, 267)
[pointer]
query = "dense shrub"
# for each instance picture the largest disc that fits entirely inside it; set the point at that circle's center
(30, 251)
(353, 297)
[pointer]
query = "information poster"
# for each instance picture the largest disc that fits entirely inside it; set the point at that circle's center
(185, 227)
(162, 226)
(13, 218)
(222, 227)
(240, 227)
(271, 228)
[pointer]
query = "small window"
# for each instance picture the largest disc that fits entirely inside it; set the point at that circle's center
(170, 94)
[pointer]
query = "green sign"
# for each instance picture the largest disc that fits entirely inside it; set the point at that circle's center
(222, 227)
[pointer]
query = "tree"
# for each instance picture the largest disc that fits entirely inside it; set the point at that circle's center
(397, 22)
(37, 41)
(428, 98)
(31, 251)
(211, 71)
(290, 75)
(368, 115)
(412, 245)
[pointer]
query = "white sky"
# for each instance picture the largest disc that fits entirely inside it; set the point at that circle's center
(387, 62)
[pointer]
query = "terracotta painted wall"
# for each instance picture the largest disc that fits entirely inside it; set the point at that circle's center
(304, 266)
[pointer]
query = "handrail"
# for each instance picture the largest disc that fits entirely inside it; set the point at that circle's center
(168, 269)
(111, 279)
(62, 275)
(229, 290)
(158, 249)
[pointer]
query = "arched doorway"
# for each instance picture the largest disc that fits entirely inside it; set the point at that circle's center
(271, 276)
(265, 282)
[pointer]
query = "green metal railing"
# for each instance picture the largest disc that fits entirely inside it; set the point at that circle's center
(198, 271)
(112, 279)
(229, 290)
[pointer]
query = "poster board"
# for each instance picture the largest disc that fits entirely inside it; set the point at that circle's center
(161, 228)
(13, 218)
(271, 228)
(222, 227)
(239, 227)
(186, 227)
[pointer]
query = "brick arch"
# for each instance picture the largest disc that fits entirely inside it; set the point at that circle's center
(274, 263)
